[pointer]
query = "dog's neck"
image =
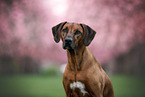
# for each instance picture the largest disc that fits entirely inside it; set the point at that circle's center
(78, 57)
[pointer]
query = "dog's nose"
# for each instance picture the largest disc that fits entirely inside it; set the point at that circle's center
(68, 40)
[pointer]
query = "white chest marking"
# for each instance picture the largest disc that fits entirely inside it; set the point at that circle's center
(79, 85)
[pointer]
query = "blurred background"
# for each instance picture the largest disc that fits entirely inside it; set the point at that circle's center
(32, 64)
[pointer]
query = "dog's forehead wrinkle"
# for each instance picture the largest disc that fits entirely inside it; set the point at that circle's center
(72, 27)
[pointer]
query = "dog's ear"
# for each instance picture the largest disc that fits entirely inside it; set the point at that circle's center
(89, 34)
(56, 31)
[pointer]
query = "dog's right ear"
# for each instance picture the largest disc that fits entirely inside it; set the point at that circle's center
(56, 31)
(89, 34)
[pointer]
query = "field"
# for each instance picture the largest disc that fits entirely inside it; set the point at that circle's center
(51, 86)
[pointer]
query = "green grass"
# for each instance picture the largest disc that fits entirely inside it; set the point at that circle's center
(51, 86)
(31, 86)
(128, 86)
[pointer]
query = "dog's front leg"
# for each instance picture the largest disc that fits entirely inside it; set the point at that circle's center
(67, 89)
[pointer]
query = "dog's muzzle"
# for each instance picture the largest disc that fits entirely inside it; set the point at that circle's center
(68, 43)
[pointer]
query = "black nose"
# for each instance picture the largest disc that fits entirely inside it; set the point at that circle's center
(68, 40)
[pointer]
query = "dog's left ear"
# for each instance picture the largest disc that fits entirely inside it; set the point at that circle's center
(89, 34)
(56, 31)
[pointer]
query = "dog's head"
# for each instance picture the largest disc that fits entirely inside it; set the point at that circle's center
(73, 34)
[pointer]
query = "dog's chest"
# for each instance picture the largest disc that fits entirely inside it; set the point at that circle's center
(77, 83)
(78, 88)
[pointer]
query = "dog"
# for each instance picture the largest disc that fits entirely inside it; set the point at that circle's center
(83, 75)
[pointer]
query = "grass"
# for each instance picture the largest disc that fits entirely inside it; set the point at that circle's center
(127, 86)
(51, 86)
(31, 86)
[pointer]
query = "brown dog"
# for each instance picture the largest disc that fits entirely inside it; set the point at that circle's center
(83, 76)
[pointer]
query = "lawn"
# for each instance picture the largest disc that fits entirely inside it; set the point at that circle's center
(51, 86)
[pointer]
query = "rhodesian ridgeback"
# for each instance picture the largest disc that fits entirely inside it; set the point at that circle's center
(83, 75)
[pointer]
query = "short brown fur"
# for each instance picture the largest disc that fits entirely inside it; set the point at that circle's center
(83, 67)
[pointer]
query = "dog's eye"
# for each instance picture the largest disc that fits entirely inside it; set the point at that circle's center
(64, 30)
(77, 32)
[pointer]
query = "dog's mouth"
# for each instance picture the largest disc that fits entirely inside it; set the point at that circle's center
(68, 46)
(68, 43)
